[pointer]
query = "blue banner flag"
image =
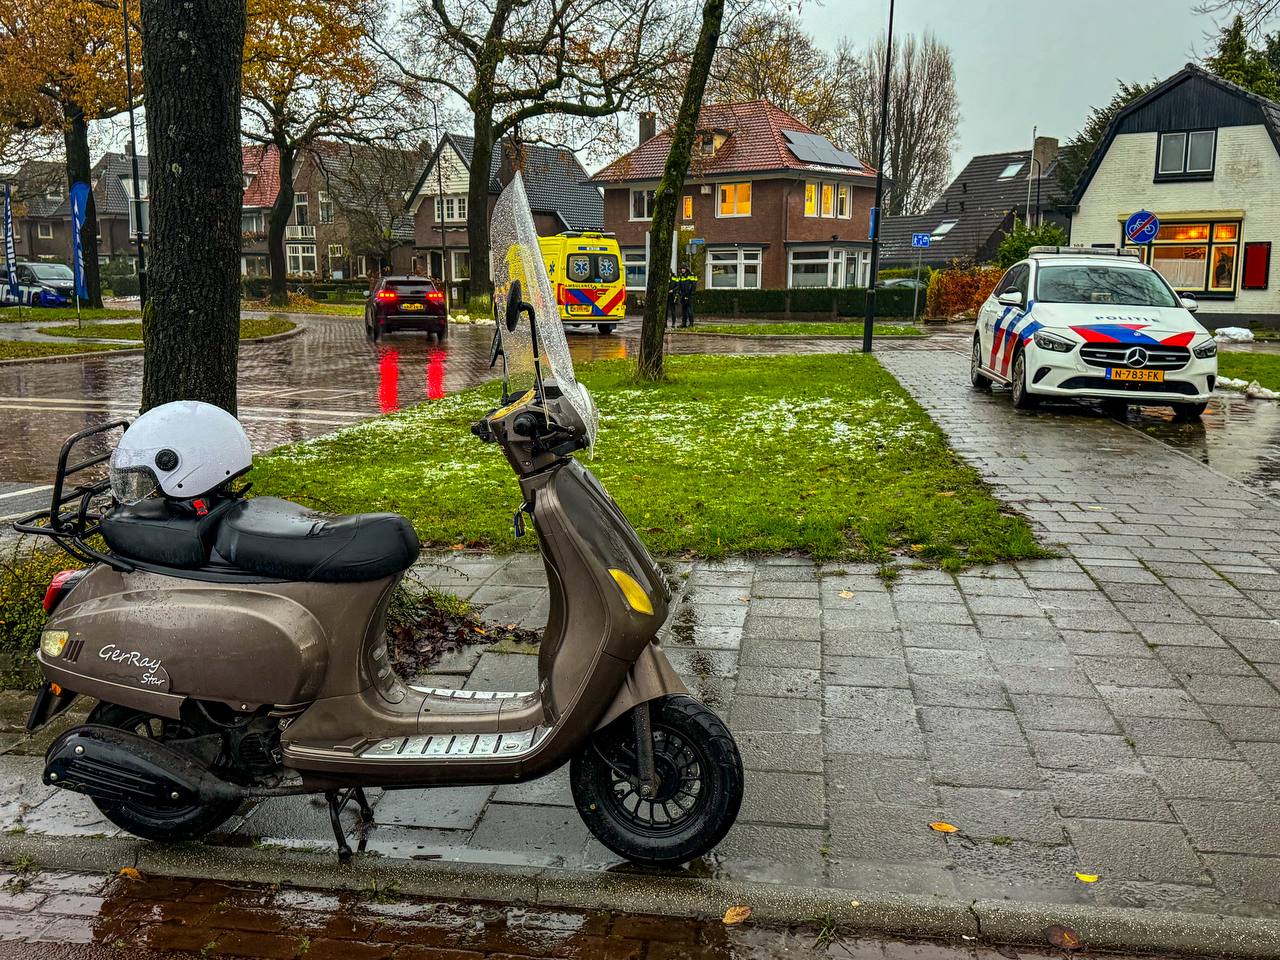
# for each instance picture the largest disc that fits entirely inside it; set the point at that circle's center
(9, 255)
(79, 209)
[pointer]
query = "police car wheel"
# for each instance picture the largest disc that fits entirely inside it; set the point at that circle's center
(976, 376)
(1023, 399)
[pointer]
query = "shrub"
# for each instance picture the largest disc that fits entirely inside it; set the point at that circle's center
(124, 286)
(847, 302)
(960, 290)
(1017, 243)
(906, 273)
(24, 576)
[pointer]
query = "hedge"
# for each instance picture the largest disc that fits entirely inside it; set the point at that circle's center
(846, 301)
(124, 286)
(24, 576)
(956, 291)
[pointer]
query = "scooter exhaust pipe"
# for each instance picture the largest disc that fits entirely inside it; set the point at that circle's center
(117, 766)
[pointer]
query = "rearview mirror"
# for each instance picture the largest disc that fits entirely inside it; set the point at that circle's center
(1189, 303)
(514, 296)
(1010, 298)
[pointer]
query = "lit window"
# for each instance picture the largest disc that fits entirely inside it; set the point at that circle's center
(843, 208)
(461, 262)
(735, 200)
(944, 228)
(828, 200)
(1201, 258)
(688, 208)
(1012, 169)
(811, 199)
(642, 204)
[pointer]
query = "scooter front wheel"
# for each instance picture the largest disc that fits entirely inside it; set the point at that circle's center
(698, 791)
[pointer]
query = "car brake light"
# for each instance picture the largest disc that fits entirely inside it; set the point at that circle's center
(59, 587)
(435, 296)
(386, 296)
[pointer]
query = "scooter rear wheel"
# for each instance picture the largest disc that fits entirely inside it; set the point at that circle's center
(161, 822)
(699, 789)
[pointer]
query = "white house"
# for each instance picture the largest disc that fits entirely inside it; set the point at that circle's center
(1204, 155)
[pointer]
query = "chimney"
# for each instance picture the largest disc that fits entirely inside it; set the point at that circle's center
(511, 161)
(648, 126)
(1044, 153)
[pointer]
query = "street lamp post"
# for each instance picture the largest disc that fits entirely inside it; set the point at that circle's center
(876, 217)
(136, 199)
(444, 247)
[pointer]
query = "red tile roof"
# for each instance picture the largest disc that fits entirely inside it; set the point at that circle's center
(755, 143)
(262, 161)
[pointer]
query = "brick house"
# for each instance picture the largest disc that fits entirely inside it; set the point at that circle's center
(1204, 155)
(42, 213)
(343, 224)
(774, 204)
(560, 193)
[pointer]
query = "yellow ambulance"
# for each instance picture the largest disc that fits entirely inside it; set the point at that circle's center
(585, 268)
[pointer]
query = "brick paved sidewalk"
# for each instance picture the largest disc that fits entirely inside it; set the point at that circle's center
(1112, 712)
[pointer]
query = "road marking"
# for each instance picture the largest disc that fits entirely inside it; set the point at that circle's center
(82, 406)
(26, 492)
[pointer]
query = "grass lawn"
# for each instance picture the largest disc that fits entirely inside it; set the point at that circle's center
(309, 306)
(832, 328)
(825, 454)
(30, 314)
(13, 350)
(1263, 367)
(250, 328)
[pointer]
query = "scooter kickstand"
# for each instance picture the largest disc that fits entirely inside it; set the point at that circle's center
(366, 811)
(336, 803)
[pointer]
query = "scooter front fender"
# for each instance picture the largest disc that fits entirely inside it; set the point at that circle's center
(650, 678)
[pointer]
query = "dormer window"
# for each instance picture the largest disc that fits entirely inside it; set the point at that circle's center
(707, 144)
(248, 179)
(1186, 155)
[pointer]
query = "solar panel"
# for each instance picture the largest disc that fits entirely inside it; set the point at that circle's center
(812, 148)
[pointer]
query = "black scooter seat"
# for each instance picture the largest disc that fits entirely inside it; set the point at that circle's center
(276, 538)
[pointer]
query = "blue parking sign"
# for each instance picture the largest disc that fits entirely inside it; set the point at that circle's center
(921, 239)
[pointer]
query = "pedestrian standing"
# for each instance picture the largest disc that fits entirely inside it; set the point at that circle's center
(688, 287)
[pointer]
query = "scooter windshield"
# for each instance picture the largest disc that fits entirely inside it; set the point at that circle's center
(515, 255)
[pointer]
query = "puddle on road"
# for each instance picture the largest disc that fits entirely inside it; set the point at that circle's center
(154, 918)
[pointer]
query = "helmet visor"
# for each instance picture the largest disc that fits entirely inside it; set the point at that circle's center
(131, 481)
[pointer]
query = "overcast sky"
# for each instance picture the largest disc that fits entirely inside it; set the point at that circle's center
(1024, 63)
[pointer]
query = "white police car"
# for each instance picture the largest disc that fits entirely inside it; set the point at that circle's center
(1097, 325)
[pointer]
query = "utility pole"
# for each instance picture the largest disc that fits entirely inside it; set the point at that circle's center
(876, 211)
(136, 199)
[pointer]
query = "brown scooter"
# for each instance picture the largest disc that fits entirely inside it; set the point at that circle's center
(262, 669)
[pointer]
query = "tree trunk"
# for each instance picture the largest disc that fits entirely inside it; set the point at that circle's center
(478, 204)
(76, 139)
(669, 188)
(277, 220)
(191, 325)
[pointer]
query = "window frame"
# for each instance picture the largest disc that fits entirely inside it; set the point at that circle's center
(635, 258)
(1210, 244)
(457, 257)
(844, 201)
(686, 206)
(322, 201)
(736, 185)
(835, 259)
(1183, 174)
(299, 250)
(647, 205)
(450, 208)
(41, 227)
(743, 257)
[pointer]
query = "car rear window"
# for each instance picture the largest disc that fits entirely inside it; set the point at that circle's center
(1102, 283)
(411, 288)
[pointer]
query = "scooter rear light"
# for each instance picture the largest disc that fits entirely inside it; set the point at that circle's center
(59, 587)
(387, 296)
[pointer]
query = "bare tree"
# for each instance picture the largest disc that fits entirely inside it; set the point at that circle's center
(924, 112)
(518, 62)
(1256, 13)
(368, 184)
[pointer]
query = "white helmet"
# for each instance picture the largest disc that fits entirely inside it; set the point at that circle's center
(184, 449)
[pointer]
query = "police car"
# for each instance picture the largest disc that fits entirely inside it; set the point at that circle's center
(39, 285)
(1094, 324)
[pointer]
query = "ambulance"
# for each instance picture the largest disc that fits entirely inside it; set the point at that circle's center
(585, 268)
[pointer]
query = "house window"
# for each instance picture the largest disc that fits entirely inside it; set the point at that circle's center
(461, 263)
(53, 191)
(301, 257)
(642, 204)
(300, 210)
(336, 251)
(135, 205)
(843, 208)
(362, 267)
(828, 200)
(1011, 170)
(326, 207)
(1200, 258)
(1257, 266)
(44, 231)
(733, 268)
(810, 199)
(1186, 154)
(688, 208)
(252, 222)
(815, 268)
(451, 209)
(857, 267)
(735, 200)
(636, 265)
(944, 228)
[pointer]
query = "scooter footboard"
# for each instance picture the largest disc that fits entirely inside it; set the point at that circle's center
(650, 678)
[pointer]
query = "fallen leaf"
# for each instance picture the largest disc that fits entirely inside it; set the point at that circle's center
(483, 633)
(846, 594)
(129, 873)
(1063, 937)
(457, 546)
(736, 915)
(947, 493)
(1086, 877)
(917, 547)
(943, 827)
(855, 903)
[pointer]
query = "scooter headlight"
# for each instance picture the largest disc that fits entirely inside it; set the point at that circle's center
(53, 642)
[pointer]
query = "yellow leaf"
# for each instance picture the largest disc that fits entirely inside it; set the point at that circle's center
(855, 903)
(483, 633)
(129, 873)
(941, 826)
(917, 547)
(947, 493)
(736, 915)
(1086, 877)
(846, 594)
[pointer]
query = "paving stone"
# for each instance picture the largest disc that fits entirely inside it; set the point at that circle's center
(550, 836)
(1245, 878)
(937, 689)
(1083, 752)
(883, 779)
(961, 763)
(867, 702)
(952, 663)
(995, 727)
(790, 609)
(1048, 681)
(1197, 778)
(787, 752)
(778, 714)
(800, 590)
(910, 877)
(1085, 644)
(909, 612)
(1229, 827)
(926, 593)
(549, 790)
(1246, 723)
(1265, 759)
(1125, 849)
(1180, 634)
(446, 808)
(697, 595)
(779, 682)
(721, 614)
(1106, 796)
(1040, 712)
(1127, 671)
(1018, 814)
(942, 636)
(774, 628)
(1242, 691)
(1168, 702)
(786, 799)
(788, 653)
(774, 854)
(988, 586)
(996, 628)
(865, 671)
(837, 642)
(1029, 871)
(703, 637)
(703, 663)
(886, 832)
(875, 736)
(504, 671)
(1162, 737)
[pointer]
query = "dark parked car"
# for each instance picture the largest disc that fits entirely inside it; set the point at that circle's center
(405, 303)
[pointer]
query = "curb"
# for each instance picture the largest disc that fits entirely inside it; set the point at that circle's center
(135, 351)
(634, 890)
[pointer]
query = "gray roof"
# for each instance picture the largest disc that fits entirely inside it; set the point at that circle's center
(31, 181)
(342, 162)
(980, 201)
(554, 180)
(110, 196)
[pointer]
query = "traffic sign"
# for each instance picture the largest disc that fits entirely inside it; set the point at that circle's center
(1142, 227)
(921, 239)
